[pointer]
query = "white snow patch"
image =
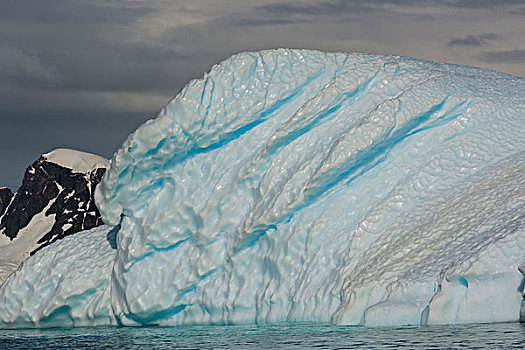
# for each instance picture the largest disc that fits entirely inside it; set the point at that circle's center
(12, 253)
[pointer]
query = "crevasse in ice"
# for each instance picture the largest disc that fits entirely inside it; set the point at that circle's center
(296, 185)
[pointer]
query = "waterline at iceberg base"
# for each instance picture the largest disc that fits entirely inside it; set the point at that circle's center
(296, 185)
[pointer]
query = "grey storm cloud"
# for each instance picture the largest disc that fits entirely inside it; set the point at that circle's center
(339, 7)
(316, 8)
(292, 12)
(266, 21)
(85, 73)
(474, 40)
(503, 56)
(16, 64)
(336, 8)
(92, 11)
(481, 3)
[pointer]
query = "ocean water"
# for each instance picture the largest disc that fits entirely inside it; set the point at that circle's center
(276, 336)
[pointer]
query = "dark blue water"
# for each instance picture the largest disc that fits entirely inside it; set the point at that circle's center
(280, 336)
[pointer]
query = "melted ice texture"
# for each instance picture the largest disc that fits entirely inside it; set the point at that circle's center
(293, 185)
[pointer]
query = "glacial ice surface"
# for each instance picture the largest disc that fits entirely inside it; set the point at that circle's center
(63, 285)
(296, 185)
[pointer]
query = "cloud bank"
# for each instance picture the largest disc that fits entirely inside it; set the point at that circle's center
(84, 74)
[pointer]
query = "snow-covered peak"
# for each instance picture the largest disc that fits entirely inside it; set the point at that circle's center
(78, 161)
(54, 201)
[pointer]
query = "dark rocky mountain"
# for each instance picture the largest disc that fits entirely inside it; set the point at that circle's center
(5, 198)
(61, 183)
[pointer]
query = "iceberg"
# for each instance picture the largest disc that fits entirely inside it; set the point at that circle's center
(297, 185)
(65, 285)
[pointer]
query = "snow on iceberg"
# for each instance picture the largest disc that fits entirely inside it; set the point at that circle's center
(296, 185)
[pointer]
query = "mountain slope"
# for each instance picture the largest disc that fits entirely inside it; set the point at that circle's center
(5, 198)
(54, 201)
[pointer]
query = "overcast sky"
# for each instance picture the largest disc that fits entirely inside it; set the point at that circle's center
(83, 74)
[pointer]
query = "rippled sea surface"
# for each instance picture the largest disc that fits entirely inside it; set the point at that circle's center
(277, 336)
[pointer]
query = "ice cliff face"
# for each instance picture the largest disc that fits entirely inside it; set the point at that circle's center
(294, 185)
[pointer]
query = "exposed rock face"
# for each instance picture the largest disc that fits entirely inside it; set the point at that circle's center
(74, 207)
(5, 198)
(55, 199)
